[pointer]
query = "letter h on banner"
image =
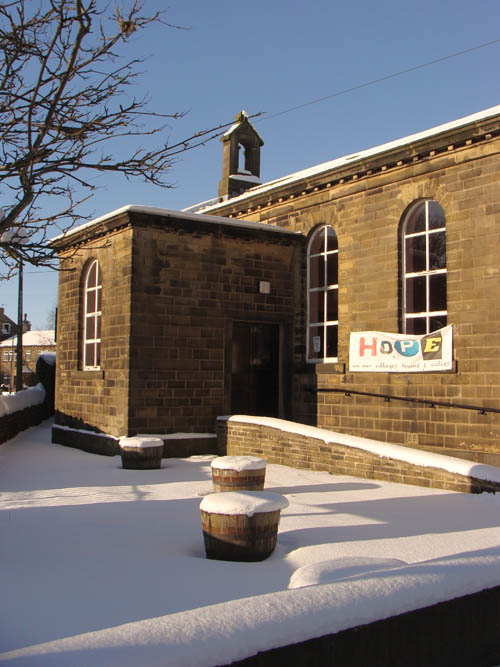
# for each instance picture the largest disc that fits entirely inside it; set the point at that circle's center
(365, 346)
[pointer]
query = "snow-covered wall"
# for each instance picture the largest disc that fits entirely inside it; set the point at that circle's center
(21, 410)
(289, 443)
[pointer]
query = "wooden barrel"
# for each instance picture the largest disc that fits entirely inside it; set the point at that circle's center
(238, 473)
(239, 536)
(138, 453)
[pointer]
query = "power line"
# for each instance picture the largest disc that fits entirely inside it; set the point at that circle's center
(379, 80)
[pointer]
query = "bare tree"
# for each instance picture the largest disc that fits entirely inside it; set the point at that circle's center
(65, 83)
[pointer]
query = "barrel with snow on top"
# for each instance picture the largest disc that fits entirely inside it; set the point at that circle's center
(238, 473)
(140, 453)
(241, 525)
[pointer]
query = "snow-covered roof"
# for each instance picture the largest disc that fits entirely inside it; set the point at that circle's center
(32, 338)
(171, 213)
(361, 155)
(241, 117)
(201, 205)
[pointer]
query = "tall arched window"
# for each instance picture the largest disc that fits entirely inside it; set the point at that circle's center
(322, 295)
(424, 268)
(92, 294)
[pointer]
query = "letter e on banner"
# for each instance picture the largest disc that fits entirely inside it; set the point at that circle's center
(432, 346)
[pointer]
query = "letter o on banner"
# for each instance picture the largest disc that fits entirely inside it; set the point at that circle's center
(386, 347)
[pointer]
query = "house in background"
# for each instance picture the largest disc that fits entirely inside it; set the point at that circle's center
(34, 344)
(8, 327)
(248, 303)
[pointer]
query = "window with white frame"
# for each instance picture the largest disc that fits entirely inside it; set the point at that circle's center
(6, 327)
(92, 295)
(322, 295)
(424, 307)
(6, 356)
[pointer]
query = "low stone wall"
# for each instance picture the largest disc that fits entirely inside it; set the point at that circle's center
(94, 443)
(15, 422)
(174, 445)
(463, 631)
(285, 447)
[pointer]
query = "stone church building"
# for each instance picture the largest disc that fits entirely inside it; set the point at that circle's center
(249, 303)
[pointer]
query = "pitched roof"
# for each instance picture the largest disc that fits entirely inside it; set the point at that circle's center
(32, 339)
(170, 213)
(349, 159)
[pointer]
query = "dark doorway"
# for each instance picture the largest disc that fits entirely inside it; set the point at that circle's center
(255, 370)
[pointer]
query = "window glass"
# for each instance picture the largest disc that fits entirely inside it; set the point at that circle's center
(416, 221)
(332, 265)
(90, 329)
(437, 250)
(315, 342)
(437, 292)
(415, 254)
(415, 294)
(331, 341)
(331, 239)
(315, 305)
(316, 271)
(317, 244)
(92, 277)
(91, 301)
(437, 322)
(332, 305)
(435, 215)
(416, 325)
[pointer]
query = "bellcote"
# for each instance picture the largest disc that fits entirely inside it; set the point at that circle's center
(240, 158)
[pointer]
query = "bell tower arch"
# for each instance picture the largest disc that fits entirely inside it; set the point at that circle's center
(241, 146)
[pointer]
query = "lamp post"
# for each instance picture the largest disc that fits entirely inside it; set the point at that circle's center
(19, 236)
(19, 350)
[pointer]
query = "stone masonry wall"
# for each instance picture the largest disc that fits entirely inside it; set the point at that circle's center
(365, 202)
(95, 400)
(190, 284)
(15, 422)
(283, 447)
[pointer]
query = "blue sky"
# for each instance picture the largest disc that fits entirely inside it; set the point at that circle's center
(275, 55)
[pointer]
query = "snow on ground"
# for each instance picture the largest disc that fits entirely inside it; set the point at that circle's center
(106, 566)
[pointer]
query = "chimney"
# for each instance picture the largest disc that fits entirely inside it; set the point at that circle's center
(26, 324)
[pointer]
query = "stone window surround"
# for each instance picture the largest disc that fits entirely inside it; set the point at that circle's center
(327, 255)
(91, 321)
(427, 273)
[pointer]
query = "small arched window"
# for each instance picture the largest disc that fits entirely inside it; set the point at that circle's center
(423, 246)
(92, 296)
(322, 295)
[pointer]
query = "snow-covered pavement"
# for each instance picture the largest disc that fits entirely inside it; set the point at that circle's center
(100, 565)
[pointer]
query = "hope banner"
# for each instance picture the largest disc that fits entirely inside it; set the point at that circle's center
(375, 351)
